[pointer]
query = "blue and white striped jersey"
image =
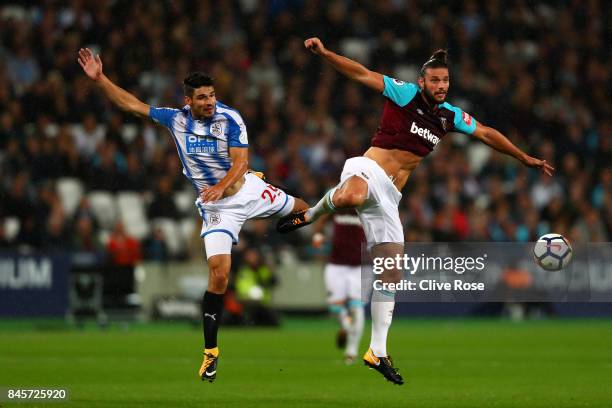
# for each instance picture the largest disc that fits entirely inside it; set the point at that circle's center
(203, 145)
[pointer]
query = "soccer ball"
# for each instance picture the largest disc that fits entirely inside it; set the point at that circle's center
(552, 252)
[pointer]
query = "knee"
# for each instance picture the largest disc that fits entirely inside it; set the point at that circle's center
(218, 275)
(348, 198)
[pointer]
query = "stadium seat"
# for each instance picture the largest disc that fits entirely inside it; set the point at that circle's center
(188, 226)
(172, 233)
(70, 191)
(356, 48)
(192, 286)
(408, 72)
(132, 213)
(129, 132)
(104, 236)
(11, 227)
(104, 207)
(184, 201)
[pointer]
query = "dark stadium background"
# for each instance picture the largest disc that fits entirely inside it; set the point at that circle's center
(72, 165)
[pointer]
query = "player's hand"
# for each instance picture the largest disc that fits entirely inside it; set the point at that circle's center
(212, 194)
(90, 64)
(315, 45)
(540, 164)
(317, 240)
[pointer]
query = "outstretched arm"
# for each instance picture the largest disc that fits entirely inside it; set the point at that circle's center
(346, 66)
(92, 66)
(499, 142)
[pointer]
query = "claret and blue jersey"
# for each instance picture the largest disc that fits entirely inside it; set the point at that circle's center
(203, 144)
(408, 123)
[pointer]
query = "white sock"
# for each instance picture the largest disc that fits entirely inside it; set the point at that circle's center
(382, 306)
(342, 315)
(325, 205)
(356, 329)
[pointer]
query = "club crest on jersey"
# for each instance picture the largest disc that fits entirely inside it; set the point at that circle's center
(467, 118)
(216, 129)
(214, 219)
(444, 123)
(419, 111)
(243, 134)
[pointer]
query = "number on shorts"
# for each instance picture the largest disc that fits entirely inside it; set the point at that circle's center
(271, 192)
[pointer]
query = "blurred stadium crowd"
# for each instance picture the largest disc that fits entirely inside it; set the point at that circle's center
(76, 173)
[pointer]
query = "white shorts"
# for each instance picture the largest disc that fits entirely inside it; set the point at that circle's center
(343, 282)
(255, 199)
(379, 214)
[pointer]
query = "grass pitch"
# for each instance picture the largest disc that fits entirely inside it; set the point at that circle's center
(446, 363)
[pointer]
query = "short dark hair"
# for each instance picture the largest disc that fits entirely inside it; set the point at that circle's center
(196, 80)
(439, 59)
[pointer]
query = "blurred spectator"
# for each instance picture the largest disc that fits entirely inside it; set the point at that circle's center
(163, 205)
(124, 250)
(124, 254)
(253, 285)
(155, 248)
(56, 234)
(18, 201)
(590, 227)
(134, 178)
(23, 69)
(84, 210)
(85, 238)
(545, 190)
(88, 135)
(67, 155)
(108, 168)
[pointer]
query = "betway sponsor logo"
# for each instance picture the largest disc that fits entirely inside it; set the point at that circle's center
(424, 133)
